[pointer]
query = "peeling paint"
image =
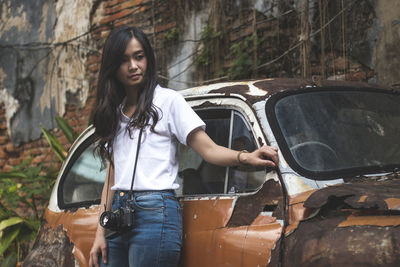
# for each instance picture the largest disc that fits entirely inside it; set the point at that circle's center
(393, 203)
(372, 193)
(11, 105)
(248, 208)
(353, 220)
(256, 91)
(362, 198)
(68, 65)
(80, 228)
(38, 72)
(181, 65)
(18, 20)
(295, 184)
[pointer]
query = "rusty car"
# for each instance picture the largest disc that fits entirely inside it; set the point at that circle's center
(334, 199)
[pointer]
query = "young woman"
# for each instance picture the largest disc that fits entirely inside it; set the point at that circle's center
(128, 99)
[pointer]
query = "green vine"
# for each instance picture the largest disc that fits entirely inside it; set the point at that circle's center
(172, 34)
(26, 189)
(208, 36)
(242, 57)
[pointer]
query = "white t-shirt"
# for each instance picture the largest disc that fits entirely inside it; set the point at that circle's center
(157, 165)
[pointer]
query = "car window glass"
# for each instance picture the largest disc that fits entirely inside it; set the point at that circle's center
(337, 130)
(243, 178)
(227, 128)
(83, 181)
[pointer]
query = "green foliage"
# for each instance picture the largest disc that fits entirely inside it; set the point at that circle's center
(66, 129)
(54, 143)
(10, 260)
(27, 188)
(172, 34)
(242, 58)
(208, 35)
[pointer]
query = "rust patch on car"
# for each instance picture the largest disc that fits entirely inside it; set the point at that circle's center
(392, 220)
(352, 225)
(268, 199)
(253, 91)
(239, 89)
(321, 241)
(206, 104)
(362, 198)
(52, 248)
(301, 197)
(297, 211)
(373, 195)
(393, 203)
(275, 258)
(231, 89)
(273, 86)
(80, 226)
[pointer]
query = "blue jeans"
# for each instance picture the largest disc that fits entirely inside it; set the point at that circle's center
(156, 238)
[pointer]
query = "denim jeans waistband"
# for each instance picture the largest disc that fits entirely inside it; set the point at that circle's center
(170, 192)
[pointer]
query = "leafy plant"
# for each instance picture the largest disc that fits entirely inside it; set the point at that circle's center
(54, 143)
(24, 193)
(172, 34)
(25, 189)
(208, 35)
(242, 57)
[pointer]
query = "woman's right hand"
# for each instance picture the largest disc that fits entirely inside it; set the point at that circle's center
(99, 247)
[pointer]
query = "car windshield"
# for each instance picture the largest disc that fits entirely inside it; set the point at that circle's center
(340, 131)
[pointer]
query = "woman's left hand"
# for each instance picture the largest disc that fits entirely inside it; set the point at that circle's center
(264, 156)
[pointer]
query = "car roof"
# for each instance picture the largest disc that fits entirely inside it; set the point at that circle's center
(258, 90)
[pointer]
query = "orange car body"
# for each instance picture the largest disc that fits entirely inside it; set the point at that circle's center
(282, 217)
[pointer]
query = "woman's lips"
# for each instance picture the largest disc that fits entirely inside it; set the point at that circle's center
(135, 76)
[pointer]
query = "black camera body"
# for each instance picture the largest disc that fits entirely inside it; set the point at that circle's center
(120, 220)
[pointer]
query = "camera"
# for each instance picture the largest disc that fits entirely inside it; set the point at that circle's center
(120, 220)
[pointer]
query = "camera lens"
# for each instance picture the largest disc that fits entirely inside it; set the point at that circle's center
(106, 219)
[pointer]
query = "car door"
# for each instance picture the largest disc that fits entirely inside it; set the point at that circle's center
(75, 200)
(232, 216)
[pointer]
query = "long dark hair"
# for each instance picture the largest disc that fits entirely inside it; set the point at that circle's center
(111, 93)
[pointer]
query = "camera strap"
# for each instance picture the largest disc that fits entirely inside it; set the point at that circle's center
(134, 171)
(136, 160)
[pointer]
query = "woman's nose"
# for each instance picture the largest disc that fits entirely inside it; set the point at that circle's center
(132, 64)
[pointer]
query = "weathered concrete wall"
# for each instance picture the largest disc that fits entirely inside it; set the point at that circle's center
(22, 81)
(386, 57)
(39, 63)
(50, 52)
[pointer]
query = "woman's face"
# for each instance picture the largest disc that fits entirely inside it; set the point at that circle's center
(132, 70)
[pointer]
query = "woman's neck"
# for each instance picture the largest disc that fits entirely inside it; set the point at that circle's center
(130, 104)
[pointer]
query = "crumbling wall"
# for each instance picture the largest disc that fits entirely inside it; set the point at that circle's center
(386, 60)
(51, 50)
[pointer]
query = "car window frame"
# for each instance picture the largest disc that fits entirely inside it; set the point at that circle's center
(76, 153)
(247, 113)
(284, 147)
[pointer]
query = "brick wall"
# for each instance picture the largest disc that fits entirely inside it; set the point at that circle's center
(157, 19)
(115, 13)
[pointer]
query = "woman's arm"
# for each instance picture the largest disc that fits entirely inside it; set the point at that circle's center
(219, 155)
(100, 244)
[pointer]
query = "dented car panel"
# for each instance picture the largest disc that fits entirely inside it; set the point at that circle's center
(305, 212)
(79, 226)
(207, 240)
